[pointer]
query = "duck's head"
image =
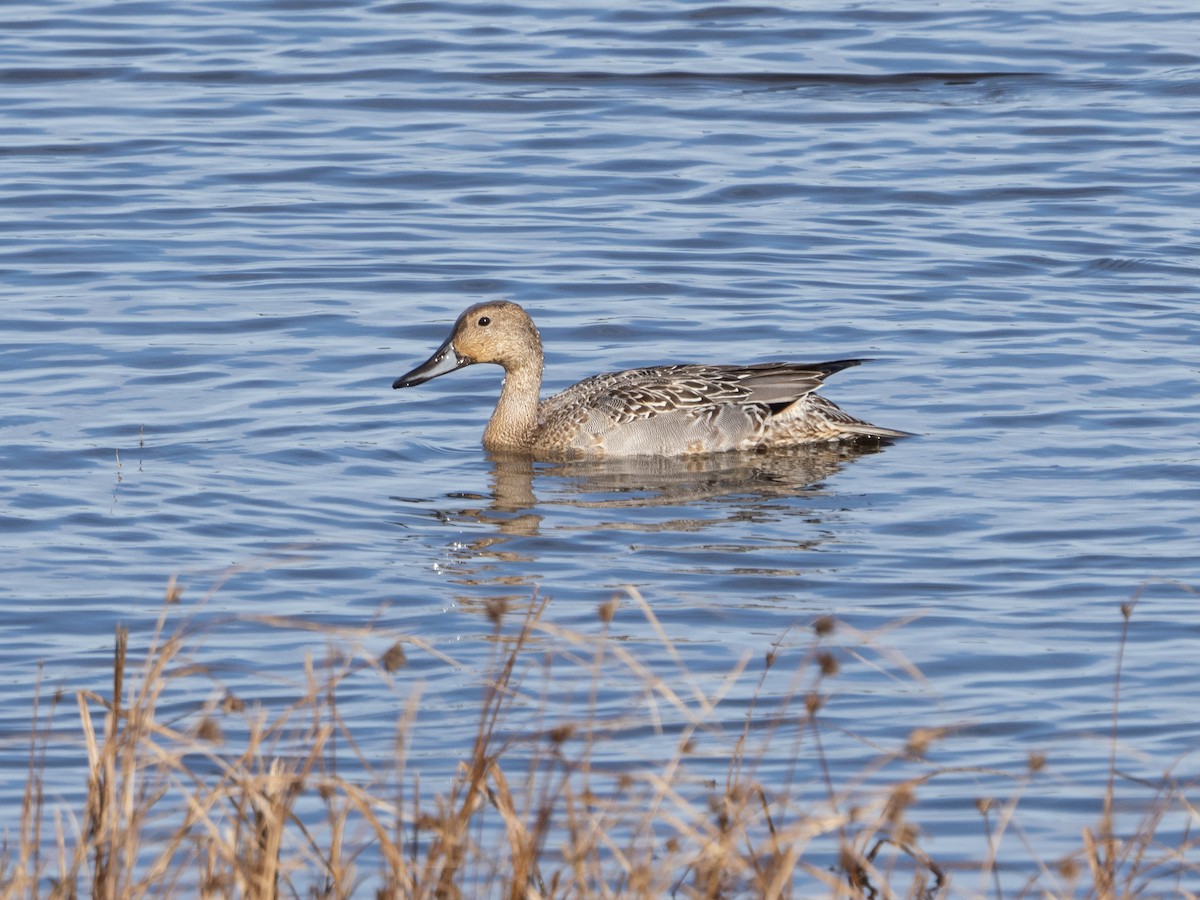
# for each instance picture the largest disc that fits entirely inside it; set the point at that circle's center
(497, 332)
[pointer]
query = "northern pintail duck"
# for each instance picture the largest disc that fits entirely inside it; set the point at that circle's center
(657, 411)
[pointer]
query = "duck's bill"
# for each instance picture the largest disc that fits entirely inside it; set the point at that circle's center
(445, 359)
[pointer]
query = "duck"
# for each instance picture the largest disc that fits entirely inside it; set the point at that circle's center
(665, 410)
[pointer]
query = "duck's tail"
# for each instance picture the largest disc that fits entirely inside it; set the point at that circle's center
(866, 429)
(825, 420)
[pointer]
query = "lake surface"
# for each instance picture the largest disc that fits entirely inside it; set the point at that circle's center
(225, 228)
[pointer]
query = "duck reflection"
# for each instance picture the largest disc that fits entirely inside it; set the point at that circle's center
(634, 482)
(630, 495)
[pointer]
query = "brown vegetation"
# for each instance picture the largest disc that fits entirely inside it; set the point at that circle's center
(184, 808)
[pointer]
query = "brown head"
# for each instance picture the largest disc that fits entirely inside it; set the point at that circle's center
(497, 332)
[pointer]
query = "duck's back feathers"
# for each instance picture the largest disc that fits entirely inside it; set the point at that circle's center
(687, 409)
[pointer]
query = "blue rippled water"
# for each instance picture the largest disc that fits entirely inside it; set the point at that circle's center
(226, 227)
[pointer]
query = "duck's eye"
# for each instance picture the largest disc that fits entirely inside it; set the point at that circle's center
(484, 320)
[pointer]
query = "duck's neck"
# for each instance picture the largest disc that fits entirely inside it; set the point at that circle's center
(514, 424)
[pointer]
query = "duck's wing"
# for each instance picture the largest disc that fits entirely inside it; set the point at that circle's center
(797, 414)
(643, 393)
(678, 409)
(781, 384)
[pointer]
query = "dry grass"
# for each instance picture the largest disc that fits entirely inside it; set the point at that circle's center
(235, 800)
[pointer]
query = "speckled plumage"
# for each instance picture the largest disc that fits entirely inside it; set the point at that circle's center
(673, 410)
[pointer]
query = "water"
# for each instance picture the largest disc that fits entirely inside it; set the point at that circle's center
(226, 227)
